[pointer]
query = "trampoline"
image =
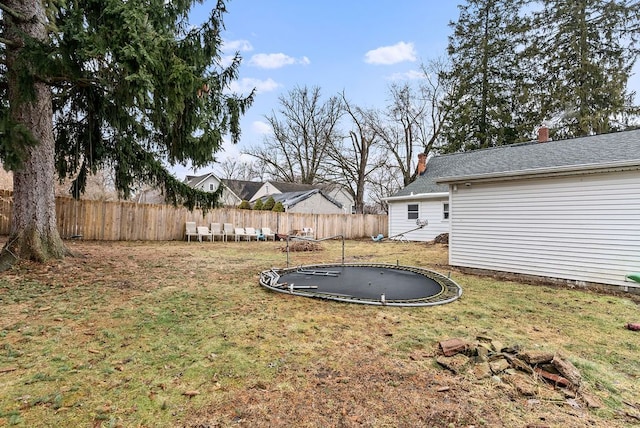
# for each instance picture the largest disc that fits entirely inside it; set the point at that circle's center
(365, 283)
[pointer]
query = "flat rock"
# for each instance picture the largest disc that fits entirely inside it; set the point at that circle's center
(481, 371)
(568, 370)
(453, 346)
(518, 364)
(536, 357)
(499, 365)
(456, 364)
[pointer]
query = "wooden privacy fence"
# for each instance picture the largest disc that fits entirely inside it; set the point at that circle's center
(128, 221)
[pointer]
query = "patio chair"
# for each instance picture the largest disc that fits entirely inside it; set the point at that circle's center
(240, 233)
(229, 231)
(307, 231)
(251, 232)
(190, 230)
(216, 230)
(267, 233)
(203, 232)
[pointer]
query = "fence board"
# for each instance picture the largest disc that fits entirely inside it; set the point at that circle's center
(121, 221)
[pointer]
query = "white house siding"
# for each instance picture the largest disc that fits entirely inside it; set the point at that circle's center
(265, 190)
(580, 228)
(227, 198)
(315, 204)
(204, 184)
(341, 196)
(429, 209)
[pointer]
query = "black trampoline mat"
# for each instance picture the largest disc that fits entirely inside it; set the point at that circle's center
(364, 282)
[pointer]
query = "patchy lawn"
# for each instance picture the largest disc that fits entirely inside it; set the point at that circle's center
(180, 334)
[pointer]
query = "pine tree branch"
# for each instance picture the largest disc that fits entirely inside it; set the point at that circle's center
(11, 12)
(9, 43)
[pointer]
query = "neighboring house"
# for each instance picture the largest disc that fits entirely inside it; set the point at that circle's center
(298, 198)
(313, 201)
(340, 194)
(274, 187)
(564, 209)
(333, 192)
(233, 191)
(242, 188)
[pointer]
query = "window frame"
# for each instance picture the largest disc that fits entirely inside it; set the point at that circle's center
(446, 211)
(412, 212)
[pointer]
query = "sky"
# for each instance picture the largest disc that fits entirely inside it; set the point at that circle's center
(360, 47)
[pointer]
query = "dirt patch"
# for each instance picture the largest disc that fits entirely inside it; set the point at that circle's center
(298, 246)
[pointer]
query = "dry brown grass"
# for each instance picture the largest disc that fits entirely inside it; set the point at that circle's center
(180, 334)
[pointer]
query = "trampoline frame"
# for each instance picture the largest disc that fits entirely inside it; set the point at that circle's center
(449, 292)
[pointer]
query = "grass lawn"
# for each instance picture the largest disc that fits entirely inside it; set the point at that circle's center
(164, 334)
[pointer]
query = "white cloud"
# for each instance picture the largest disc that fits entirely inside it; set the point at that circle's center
(231, 47)
(234, 152)
(408, 75)
(276, 60)
(260, 127)
(237, 45)
(386, 55)
(246, 85)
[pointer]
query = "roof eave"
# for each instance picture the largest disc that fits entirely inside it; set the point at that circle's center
(413, 196)
(543, 172)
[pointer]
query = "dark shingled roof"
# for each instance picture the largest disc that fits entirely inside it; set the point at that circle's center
(242, 188)
(286, 187)
(593, 151)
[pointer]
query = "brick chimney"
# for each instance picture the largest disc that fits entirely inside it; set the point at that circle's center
(422, 163)
(543, 134)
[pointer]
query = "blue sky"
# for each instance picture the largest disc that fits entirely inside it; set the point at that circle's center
(356, 46)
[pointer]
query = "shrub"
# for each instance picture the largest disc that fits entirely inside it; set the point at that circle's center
(269, 204)
(258, 205)
(244, 205)
(278, 207)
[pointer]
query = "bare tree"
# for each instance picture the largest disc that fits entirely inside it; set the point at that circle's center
(383, 182)
(412, 122)
(356, 157)
(236, 169)
(304, 130)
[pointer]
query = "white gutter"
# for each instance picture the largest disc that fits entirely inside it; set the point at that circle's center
(550, 171)
(416, 196)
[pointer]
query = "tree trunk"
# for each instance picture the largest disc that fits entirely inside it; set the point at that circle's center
(33, 234)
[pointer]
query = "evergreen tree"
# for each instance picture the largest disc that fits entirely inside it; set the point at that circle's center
(269, 204)
(129, 85)
(483, 51)
(258, 205)
(244, 205)
(585, 51)
(278, 207)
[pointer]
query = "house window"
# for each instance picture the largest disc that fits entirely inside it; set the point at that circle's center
(211, 189)
(445, 211)
(412, 211)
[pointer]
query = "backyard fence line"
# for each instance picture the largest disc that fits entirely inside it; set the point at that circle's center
(129, 221)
